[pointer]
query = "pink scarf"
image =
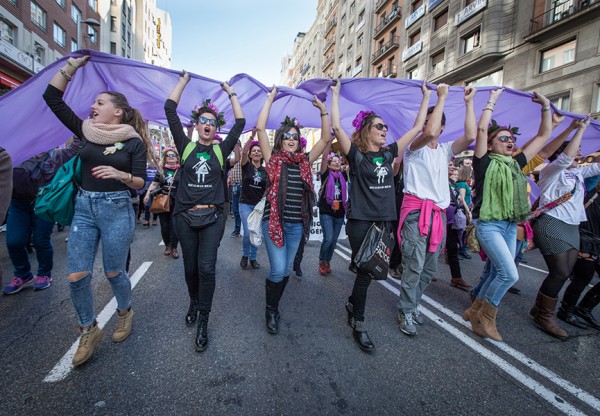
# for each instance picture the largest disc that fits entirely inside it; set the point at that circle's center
(426, 206)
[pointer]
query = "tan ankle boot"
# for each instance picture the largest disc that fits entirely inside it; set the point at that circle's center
(545, 317)
(472, 314)
(90, 337)
(124, 325)
(475, 306)
(487, 320)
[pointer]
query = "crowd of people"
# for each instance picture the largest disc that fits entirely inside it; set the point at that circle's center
(413, 186)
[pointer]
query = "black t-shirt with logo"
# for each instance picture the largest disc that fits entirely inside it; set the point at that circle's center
(372, 194)
(201, 176)
(324, 207)
(167, 179)
(254, 182)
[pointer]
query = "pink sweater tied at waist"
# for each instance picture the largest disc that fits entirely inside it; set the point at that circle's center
(426, 206)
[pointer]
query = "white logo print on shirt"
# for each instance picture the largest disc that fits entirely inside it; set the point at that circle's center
(201, 168)
(257, 178)
(380, 171)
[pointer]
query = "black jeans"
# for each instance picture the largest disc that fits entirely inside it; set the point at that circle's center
(452, 251)
(167, 227)
(199, 250)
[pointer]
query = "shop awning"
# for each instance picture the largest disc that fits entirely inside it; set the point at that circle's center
(9, 81)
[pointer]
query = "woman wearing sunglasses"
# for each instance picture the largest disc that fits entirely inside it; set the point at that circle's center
(165, 182)
(557, 231)
(373, 196)
(199, 201)
(500, 202)
(290, 195)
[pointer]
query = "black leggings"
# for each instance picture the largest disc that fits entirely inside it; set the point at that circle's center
(582, 276)
(560, 267)
(167, 228)
(452, 251)
(199, 250)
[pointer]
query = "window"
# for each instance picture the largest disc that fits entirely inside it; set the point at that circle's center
(113, 48)
(596, 100)
(360, 39)
(440, 20)
(437, 60)
(93, 4)
(343, 21)
(75, 13)
(93, 35)
(470, 41)
(361, 17)
(74, 45)
(122, 51)
(414, 38)
(13, 2)
(358, 61)
(379, 71)
(113, 24)
(558, 56)
(342, 39)
(7, 32)
(352, 7)
(415, 5)
(489, 80)
(349, 72)
(351, 28)
(60, 36)
(61, 3)
(467, 2)
(561, 101)
(411, 73)
(350, 52)
(38, 15)
(38, 53)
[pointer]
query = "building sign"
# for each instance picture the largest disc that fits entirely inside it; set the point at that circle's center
(413, 50)
(158, 33)
(431, 4)
(469, 11)
(16, 55)
(416, 15)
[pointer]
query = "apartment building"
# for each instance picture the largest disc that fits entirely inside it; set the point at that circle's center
(35, 33)
(386, 37)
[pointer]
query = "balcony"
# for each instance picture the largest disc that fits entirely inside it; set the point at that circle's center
(330, 25)
(379, 5)
(386, 48)
(561, 13)
(329, 45)
(328, 63)
(390, 71)
(357, 70)
(386, 21)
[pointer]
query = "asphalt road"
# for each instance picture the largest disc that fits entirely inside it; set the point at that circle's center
(312, 367)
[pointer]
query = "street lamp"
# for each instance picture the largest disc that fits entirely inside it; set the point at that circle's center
(89, 22)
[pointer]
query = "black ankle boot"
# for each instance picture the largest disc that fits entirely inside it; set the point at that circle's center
(585, 307)
(350, 312)
(567, 314)
(201, 341)
(192, 313)
(362, 337)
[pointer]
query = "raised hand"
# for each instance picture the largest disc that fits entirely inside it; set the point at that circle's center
(540, 99)
(78, 62)
(319, 104)
(469, 94)
(336, 86)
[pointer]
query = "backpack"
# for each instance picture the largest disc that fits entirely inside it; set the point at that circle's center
(189, 148)
(55, 202)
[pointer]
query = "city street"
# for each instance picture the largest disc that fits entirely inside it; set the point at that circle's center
(312, 367)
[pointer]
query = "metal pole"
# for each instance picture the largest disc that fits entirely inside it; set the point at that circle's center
(78, 32)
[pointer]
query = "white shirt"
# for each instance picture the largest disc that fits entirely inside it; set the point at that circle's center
(426, 173)
(556, 180)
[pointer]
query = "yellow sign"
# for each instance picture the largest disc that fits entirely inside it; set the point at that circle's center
(158, 33)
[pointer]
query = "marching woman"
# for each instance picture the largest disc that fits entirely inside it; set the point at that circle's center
(500, 202)
(372, 198)
(332, 206)
(290, 196)
(200, 197)
(254, 183)
(166, 182)
(116, 144)
(556, 232)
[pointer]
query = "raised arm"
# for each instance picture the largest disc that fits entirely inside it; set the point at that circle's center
(410, 135)
(184, 78)
(481, 142)
(179, 136)
(324, 157)
(325, 139)
(237, 154)
(340, 134)
(572, 148)
(433, 129)
(246, 148)
(261, 125)
(556, 120)
(544, 130)
(64, 74)
(555, 144)
(461, 144)
(235, 103)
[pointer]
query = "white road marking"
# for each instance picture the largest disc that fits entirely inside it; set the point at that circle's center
(533, 268)
(62, 369)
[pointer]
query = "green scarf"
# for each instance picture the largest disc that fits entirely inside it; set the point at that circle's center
(504, 191)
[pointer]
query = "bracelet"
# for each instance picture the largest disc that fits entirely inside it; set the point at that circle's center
(71, 65)
(487, 108)
(544, 109)
(232, 94)
(489, 102)
(324, 114)
(130, 179)
(64, 74)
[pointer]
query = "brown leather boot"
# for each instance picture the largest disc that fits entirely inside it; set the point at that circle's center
(487, 321)
(535, 309)
(471, 314)
(545, 318)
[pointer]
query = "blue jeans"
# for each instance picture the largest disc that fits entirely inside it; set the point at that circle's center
(236, 190)
(100, 215)
(248, 249)
(331, 227)
(281, 259)
(20, 222)
(498, 239)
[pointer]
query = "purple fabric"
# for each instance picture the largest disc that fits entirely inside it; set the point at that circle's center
(330, 189)
(30, 128)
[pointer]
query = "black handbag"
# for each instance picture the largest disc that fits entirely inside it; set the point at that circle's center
(373, 257)
(199, 218)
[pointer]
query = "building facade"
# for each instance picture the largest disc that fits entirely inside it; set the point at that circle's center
(387, 16)
(35, 33)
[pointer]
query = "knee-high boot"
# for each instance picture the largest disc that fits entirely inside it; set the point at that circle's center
(273, 292)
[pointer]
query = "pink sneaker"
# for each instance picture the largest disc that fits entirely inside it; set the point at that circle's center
(16, 284)
(42, 282)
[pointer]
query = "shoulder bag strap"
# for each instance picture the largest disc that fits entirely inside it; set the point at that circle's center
(553, 204)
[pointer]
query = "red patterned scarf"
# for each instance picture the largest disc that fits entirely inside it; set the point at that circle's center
(274, 171)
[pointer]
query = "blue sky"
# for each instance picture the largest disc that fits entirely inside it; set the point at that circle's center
(218, 39)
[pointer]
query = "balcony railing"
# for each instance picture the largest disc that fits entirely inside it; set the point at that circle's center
(330, 25)
(392, 17)
(328, 63)
(329, 45)
(390, 45)
(390, 71)
(379, 5)
(560, 10)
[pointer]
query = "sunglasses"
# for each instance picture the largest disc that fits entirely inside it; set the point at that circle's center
(204, 120)
(288, 136)
(380, 126)
(506, 139)
(171, 155)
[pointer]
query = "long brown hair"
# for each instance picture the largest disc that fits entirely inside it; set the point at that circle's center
(134, 118)
(464, 174)
(361, 137)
